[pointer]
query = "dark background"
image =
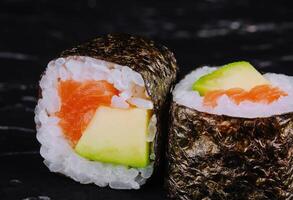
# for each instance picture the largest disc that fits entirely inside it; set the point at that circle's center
(199, 32)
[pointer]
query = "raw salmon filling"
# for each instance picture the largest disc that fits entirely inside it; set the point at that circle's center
(259, 94)
(79, 100)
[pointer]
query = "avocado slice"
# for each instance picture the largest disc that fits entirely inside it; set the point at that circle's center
(117, 136)
(234, 75)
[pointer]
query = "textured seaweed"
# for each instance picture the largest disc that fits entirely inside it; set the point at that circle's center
(154, 62)
(221, 157)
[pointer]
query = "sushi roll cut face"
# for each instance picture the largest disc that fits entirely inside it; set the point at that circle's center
(99, 112)
(98, 117)
(236, 89)
(231, 135)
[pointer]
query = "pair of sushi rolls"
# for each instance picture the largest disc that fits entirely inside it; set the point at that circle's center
(99, 115)
(231, 135)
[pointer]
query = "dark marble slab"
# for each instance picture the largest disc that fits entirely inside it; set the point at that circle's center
(199, 32)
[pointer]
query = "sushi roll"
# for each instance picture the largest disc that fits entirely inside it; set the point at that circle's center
(99, 115)
(231, 135)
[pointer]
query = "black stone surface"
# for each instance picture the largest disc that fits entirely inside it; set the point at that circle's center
(199, 32)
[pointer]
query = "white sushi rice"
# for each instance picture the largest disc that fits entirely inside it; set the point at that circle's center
(184, 95)
(58, 154)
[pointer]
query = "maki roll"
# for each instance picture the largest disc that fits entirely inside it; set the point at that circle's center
(231, 135)
(99, 115)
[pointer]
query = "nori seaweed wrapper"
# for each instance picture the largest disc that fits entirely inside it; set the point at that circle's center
(154, 62)
(221, 157)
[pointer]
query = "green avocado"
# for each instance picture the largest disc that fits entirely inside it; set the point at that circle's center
(233, 75)
(117, 136)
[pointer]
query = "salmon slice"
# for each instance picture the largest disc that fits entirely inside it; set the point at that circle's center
(259, 94)
(79, 100)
